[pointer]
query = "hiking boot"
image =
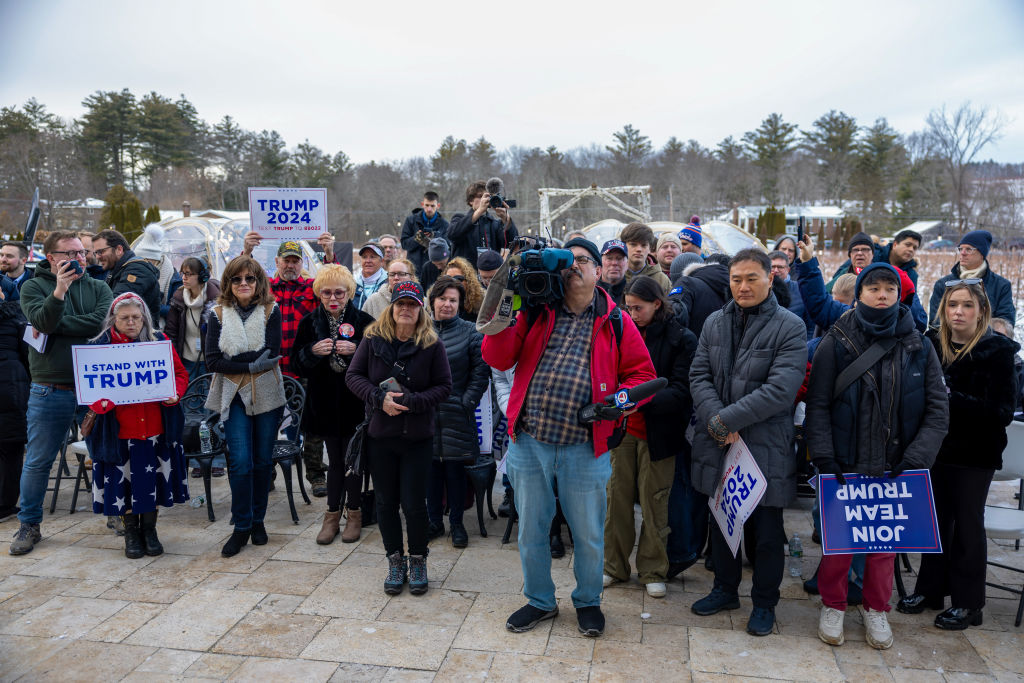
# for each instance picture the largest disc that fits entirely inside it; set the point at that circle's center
(134, 547)
(329, 529)
(557, 546)
(460, 538)
(147, 522)
(319, 488)
(505, 508)
(398, 573)
(235, 544)
(258, 534)
(761, 622)
(590, 621)
(714, 602)
(418, 574)
(25, 538)
(116, 524)
(353, 525)
(879, 635)
(830, 626)
(528, 616)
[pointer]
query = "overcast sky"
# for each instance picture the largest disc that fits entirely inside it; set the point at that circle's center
(389, 80)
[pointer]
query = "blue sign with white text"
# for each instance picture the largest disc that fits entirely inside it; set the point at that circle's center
(878, 514)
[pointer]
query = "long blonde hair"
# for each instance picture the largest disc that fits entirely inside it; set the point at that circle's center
(384, 327)
(945, 330)
(474, 290)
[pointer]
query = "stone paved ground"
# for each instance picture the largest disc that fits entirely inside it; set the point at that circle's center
(77, 609)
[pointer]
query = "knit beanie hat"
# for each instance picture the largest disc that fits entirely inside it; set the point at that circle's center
(859, 239)
(895, 275)
(979, 239)
(679, 264)
(691, 232)
(438, 249)
(149, 246)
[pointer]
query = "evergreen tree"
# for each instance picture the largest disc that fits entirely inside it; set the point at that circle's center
(310, 166)
(628, 153)
(450, 169)
(152, 215)
(832, 143)
(483, 159)
(771, 145)
(878, 164)
(228, 150)
(122, 211)
(109, 136)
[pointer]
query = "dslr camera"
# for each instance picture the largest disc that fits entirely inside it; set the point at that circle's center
(535, 272)
(496, 189)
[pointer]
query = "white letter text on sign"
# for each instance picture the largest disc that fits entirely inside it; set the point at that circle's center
(123, 373)
(291, 213)
(738, 493)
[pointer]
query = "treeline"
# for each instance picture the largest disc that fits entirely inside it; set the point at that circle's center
(164, 152)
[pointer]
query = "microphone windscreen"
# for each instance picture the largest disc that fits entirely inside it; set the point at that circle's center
(495, 186)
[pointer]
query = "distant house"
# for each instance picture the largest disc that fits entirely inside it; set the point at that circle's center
(929, 230)
(78, 214)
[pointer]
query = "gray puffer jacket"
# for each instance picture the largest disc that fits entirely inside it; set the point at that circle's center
(748, 374)
(455, 437)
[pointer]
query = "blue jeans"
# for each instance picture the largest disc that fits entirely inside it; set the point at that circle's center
(195, 368)
(534, 467)
(49, 414)
(687, 515)
(250, 445)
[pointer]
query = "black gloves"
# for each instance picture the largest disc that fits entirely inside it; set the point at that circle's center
(897, 469)
(831, 467)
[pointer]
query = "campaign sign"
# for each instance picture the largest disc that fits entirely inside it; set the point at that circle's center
(485, 422)
(124, 373)
(741, 489)
(288, 212)
(878, 514)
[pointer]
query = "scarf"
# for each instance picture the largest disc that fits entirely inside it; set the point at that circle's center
(877, 323)
(977, 272)
(242, 329)
(336, 360)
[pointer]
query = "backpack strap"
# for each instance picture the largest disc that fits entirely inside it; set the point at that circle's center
(862, 364)
(616, 319)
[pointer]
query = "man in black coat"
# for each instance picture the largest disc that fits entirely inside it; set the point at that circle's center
(701, 291)
(126, 272)
(422, 225)
(478, 229)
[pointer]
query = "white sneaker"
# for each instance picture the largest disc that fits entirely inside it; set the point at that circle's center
(879, 634)
(607, 581)
(656, 589)
(830, 626)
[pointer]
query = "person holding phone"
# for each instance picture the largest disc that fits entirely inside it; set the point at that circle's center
(69, 309)
(401, 373)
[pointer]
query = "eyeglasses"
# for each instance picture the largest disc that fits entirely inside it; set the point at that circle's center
(100, 251)
(582, 260)
(74, 253)
(861, 250)
(966, 281)
(967, 249)
(129, 318)
(333, 293)
(243, 279)
(397, 276)
(185, 273)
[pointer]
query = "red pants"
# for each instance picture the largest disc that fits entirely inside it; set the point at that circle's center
(833, 575)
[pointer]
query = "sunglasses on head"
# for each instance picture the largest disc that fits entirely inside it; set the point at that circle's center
(967, 281)
(243, 279)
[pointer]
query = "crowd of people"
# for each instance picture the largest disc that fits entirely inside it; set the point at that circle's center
(751, 346)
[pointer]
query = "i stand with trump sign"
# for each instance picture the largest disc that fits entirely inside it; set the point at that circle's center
(878, 514)
(738, 493)
(124, 373)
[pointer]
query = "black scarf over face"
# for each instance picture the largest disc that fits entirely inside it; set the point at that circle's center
(877, 323)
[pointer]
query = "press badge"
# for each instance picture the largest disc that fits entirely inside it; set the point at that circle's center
(199, 343)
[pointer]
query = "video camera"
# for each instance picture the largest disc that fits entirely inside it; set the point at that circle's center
(535, 272)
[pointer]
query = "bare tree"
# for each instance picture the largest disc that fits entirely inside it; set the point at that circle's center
(957, 137)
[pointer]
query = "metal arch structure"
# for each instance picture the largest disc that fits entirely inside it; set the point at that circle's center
(642, 193)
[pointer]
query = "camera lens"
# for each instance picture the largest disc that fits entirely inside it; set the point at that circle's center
(536, 284)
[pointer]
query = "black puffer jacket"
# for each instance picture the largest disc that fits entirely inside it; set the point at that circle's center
(704, 290)
(134, 274)
(13, 373)
(671, 347)
(331, 407)
(982, 397)
(488, 232)
(455, 437)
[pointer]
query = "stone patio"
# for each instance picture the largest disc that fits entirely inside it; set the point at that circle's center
(77, 609)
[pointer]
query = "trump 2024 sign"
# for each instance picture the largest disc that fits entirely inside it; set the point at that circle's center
(292, 213)
(878, 514)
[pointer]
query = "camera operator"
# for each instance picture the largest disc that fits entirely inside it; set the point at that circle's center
(569, 353)
(480, 229)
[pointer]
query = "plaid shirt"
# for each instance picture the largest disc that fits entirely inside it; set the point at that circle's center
(295, 298)
(561, 385)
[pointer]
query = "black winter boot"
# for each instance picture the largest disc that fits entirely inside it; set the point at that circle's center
(149, 537)
(235, 543)
(133, 545)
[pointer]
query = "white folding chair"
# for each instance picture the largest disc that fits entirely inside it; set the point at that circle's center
(1004, 522)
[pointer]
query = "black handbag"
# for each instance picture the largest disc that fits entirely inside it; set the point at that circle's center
(355, 453)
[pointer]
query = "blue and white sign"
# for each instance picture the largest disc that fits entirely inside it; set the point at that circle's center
(288, 212)
(738, 493)
(878, 514)
(124, 373)
(485, 422)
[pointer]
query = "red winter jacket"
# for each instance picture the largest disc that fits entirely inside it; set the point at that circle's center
(610, 367)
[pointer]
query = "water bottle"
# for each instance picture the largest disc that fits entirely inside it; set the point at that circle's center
(204, 438)
(796, 556)
(197, 501)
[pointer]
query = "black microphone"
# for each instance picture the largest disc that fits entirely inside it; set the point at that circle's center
(622, 400)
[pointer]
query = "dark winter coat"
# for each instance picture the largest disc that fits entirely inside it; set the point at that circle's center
(455, 436)
(982, 398)
(488, 232)
(134, 274)
(416, 249)
(617, 291)
(748, 375)
(9, 288)
(998, 289)
(426, 377)
(797, 306)
(331, 407)
(671, 347)
(13, 373)
(882, 255)
(175, 325)
(702, 291)
(895, 414)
